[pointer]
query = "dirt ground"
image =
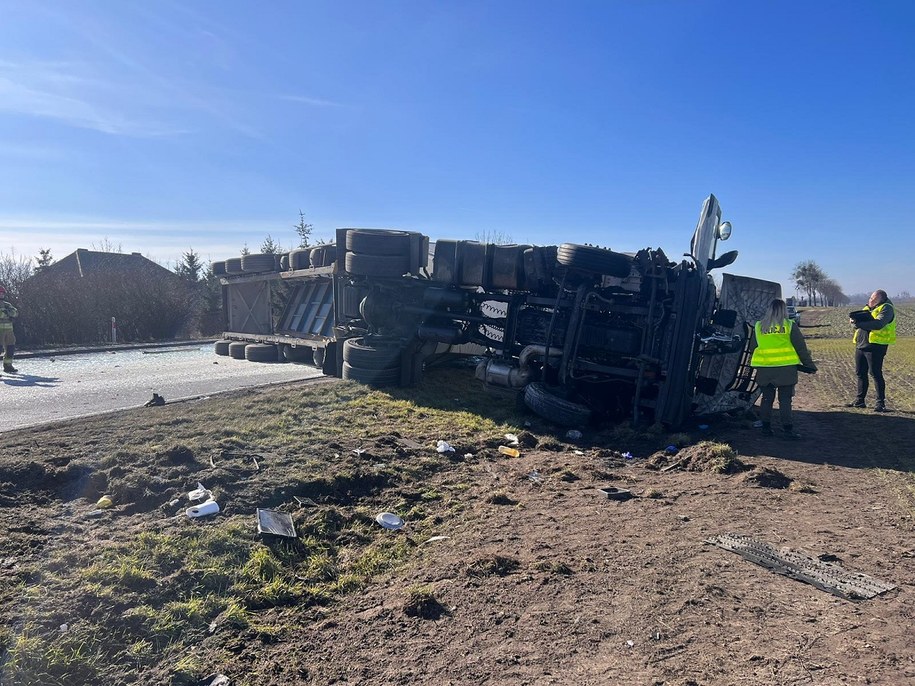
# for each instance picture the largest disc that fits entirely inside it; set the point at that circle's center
(540, 578)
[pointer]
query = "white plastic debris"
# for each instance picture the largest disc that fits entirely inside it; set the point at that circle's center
(389, 520)
(203, 509)
(200, 493)
(578, 452)
(433, 539)
(512, 439)
(443, 447)
(630, 643)
(64, 628)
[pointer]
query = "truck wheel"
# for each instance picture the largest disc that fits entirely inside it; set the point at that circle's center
(233, 265)
(445, 261)
(378, 242)
(377, 265)
(544, 401)
(299, 259)
(237, 350)
(260, 262)
(372, 377)
(317, 357)
(591, 259)
(222, 347)
(300, 353)
(284, 262)
(323, 255)
(260, 352)
(507, 266)
(372, 354)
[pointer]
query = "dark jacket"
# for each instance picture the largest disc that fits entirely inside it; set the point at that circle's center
(863, 327)
(783, 376)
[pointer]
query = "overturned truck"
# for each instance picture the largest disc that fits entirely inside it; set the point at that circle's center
(579, 333)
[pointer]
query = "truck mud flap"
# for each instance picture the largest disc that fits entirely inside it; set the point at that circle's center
(736, 388)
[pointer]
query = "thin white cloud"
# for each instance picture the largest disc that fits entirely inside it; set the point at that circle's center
(317, 102)
(57, 91)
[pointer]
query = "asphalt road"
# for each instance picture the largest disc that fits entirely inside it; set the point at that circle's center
(48, 389)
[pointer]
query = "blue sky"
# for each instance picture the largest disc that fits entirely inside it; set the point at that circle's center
(167, 125)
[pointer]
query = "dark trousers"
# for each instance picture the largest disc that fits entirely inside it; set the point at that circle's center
(784, 403)
(870, 359)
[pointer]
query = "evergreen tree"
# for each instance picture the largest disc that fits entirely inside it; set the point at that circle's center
(270, 247)
(190, 268)
(304, 231)
(44, 258)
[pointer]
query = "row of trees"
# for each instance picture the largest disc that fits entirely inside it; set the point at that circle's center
(819, 288)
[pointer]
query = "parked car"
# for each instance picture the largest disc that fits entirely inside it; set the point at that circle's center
(794, 315)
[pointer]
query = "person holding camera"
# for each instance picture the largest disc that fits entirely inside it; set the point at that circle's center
(873, 336)
(7, 339)
(778, 353)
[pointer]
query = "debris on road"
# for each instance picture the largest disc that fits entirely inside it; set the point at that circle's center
(275, 523)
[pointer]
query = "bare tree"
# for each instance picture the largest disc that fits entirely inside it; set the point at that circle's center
(14, 270)
(493, 236)
(44, 259)
(106, 245)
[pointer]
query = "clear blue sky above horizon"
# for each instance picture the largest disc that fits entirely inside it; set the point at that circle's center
(169, 125)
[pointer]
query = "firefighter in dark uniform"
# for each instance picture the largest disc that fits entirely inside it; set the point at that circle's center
(7, 314)
(779, 351)
(873, 338)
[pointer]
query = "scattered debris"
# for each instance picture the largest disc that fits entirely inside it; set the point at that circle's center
(307, 502)
(389, 520)
(510, 452)
(535, 477)
(614, 493)
(443, 447)
(628, 455)
(104, 502)
(275, 523)
(435, 539)
(578, 452)
(203, 509)
(824, 575)
(630, 643)
(156, 401)
(200, 493)
(512, 439)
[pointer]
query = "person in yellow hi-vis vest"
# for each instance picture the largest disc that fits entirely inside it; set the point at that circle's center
(779, 352)
(873, 337)
(7, 339)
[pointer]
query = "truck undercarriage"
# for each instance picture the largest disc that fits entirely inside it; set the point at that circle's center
(580, 333)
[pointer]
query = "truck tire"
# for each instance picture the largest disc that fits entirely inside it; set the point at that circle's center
(237, 350)
(372, 377)
(300, 353)
(222, 347)
(377, 265)
(378, 242)
(284, 262)
(596, 260)
(473, 263)
(299, 259)
(219, 268)
(233, 265)
(323, 255)
(260, 262)
(507, 267)
(545, 402)
(372, 354)
(445, 262)
(317, 357)
(260, 352)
